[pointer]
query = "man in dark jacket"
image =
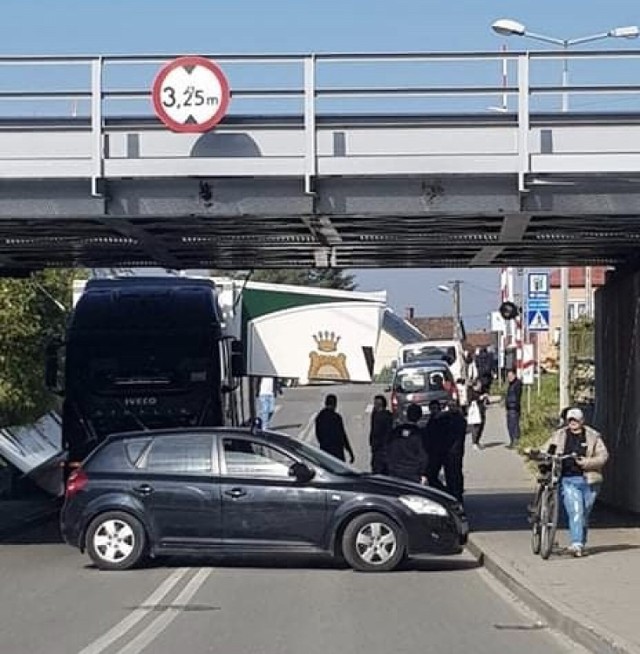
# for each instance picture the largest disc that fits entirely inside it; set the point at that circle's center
(406, 458)
(513, 401)
(381, 426)
(330, 432)
(444, 438)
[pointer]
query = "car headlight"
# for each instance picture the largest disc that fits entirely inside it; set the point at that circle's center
(422, 505)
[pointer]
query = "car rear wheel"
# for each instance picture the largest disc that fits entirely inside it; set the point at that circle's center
(116, 541)
(372, 542)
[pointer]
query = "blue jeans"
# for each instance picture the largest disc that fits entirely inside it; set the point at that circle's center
(578, 498)
(267, 406)
(513, 425)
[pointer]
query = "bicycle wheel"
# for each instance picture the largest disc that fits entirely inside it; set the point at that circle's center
(535, 524)
(549, 520)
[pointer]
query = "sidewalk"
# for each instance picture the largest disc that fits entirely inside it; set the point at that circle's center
(593, 600)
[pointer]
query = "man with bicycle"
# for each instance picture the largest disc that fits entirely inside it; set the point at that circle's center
(581, 473)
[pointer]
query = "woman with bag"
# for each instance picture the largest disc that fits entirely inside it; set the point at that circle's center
(476, 416)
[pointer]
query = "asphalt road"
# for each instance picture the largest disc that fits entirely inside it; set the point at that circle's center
(54, 602)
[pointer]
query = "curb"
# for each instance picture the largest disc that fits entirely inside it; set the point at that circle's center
(558, 616)
(16, 527)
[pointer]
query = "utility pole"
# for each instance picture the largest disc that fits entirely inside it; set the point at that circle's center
(564, 339)
(455, 284)
(453, 287)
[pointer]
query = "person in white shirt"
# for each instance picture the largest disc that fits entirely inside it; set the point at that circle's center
(266, 400)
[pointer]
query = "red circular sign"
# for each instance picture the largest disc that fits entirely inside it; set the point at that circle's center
(191, 94)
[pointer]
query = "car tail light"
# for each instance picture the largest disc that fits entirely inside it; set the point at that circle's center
(77, 481)
(394, 402)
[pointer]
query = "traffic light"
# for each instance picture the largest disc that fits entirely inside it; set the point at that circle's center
(509, 311)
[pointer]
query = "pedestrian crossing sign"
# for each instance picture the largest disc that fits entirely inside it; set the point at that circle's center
(538, 320)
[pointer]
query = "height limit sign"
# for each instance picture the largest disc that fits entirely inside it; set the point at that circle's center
(191, 94)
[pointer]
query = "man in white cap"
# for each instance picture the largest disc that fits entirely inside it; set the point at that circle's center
(581, 475)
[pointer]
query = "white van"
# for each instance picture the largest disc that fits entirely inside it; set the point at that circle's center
(446, 350)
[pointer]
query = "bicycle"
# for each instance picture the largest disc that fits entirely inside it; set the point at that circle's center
(546, 504)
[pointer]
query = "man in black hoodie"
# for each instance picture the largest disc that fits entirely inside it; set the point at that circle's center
(381, 426)
(406, 458)
(513, 401)
(330, 432)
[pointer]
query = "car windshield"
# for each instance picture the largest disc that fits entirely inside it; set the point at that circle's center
(317, 457)
(425, 352)
(417, 380)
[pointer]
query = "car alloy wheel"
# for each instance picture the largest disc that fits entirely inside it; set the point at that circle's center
(116, 541)
(376, 543)
(373, 542)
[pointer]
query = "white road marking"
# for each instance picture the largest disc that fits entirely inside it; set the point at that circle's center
(126, 624)
(152, 631)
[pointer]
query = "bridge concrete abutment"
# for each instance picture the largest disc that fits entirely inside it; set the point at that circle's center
(617, 411)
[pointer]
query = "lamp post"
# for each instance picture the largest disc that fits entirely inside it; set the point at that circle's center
(454, 288)
(510, 27)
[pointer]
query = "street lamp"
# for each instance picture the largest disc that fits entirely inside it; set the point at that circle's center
(454, 288)
(510, 27)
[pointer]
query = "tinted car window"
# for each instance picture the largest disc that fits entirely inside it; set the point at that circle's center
(244, 458)
(109, 458)
(438, 353)
(419, 380)
(179, 454)
(134, 448)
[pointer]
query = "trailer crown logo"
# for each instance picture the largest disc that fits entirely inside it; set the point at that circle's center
(326, 341)
(327, 362)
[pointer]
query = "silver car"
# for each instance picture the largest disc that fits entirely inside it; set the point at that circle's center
(421, 383)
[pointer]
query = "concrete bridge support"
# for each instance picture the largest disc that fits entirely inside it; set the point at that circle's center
(617, 411)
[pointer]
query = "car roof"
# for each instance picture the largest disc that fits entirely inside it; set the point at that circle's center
(187, 431)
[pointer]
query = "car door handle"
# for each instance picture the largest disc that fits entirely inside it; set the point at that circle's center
(143, 489)
(236, 492)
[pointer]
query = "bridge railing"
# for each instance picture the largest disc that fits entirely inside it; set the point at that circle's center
(89, 95)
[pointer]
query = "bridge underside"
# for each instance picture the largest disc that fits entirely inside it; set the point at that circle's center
(349, 222)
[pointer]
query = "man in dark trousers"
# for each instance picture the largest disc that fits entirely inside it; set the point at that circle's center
(513, 402)
(444, 437)
(381, 426)
(330, 431)
(406, 458)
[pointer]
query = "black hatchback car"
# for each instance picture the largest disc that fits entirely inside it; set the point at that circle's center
(240, 491)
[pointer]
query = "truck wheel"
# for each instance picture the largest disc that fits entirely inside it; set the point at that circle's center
(116, 541)
(372, 542)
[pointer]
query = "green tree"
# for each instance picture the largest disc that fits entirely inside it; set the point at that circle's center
(29, 319)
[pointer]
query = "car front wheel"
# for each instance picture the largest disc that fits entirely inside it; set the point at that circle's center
(372, 542)
(116, 541)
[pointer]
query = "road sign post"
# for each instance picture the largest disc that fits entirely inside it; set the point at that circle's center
(191, 94)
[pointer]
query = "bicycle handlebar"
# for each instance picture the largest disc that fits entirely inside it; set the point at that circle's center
(545, 456)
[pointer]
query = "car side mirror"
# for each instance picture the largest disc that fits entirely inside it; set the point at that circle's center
(301, 472)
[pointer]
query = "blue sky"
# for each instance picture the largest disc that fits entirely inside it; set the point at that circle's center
(239, 26)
